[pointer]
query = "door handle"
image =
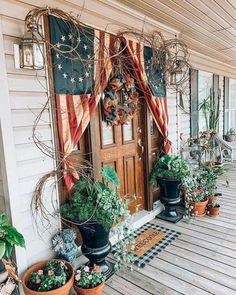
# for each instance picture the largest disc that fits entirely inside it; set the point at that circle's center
(142, 148)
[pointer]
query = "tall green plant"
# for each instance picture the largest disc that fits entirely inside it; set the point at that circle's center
(210, 109)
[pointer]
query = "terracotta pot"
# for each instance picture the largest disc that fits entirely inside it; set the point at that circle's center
(214, 211)
(199, 208)
(64, 290)
(92, 291)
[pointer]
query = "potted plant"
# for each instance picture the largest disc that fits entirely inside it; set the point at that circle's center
(198, 203)
(168, 172)
(208, 180)
(9, 237)
(214, 209)
(89, 281)
(230, 135)
(53, 277)
(95, 207)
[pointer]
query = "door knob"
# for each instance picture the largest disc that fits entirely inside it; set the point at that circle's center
(142, 148)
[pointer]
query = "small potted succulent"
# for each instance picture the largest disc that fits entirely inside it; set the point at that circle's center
(230, 135)
(9, 237)
(89, 281)
(214, 209)
(53, 277)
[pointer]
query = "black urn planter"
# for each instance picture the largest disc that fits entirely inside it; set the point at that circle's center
(170, 197)
(96, 245)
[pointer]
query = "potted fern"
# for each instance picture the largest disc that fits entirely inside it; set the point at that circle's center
(95, 207)
(168, 172)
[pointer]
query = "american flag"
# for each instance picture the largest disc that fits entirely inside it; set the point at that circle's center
(75, 72)
(151, 82)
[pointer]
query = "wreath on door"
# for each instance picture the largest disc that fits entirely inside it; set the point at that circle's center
(120, 100)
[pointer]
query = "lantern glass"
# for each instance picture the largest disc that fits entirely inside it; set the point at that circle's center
(32, 52)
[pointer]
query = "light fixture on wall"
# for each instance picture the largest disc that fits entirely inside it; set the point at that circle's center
(29, 53)
(176, 73)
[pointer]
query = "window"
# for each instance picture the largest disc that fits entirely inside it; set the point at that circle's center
(230, 104)
(205, 86)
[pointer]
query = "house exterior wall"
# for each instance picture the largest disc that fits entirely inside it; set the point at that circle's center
(21, 99)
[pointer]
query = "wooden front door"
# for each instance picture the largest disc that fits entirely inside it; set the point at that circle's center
(121, 147)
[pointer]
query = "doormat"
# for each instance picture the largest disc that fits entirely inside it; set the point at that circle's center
(150, 239)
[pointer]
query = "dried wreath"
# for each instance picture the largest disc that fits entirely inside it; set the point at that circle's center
(120, 100)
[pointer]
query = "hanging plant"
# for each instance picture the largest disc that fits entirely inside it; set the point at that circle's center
(120, 100)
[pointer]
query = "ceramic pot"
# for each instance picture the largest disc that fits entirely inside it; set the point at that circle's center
(214, 211)
(170, 197)
(199, 208)
(96, 245)
(92, 291)
(64, 290)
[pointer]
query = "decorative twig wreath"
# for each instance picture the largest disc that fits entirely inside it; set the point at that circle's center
(120, 100)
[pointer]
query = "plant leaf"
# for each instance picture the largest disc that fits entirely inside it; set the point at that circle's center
(109, 174)
(2, 249)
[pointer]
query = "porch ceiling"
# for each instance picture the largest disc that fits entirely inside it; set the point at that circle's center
(207, 26)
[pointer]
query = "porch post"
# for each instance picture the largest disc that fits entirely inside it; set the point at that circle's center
(194, 102)
(8, 157)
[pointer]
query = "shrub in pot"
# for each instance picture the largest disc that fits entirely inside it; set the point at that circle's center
(198, 203)
(208, 179)
(9, 237)
(168, 172)
(95, 207)
(53, 277)
(89, 281)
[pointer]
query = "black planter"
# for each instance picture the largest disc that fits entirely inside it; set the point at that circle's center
(96, 245)
(170, 197)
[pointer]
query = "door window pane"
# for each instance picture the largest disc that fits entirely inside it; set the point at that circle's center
(128, 131)
(107, 134)
(230, 106)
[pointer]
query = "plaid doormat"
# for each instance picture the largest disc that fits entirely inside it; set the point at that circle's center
(150, 239)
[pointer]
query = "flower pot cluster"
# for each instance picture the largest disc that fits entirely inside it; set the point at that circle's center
(57, 277)
(201, 195)
(230, 135)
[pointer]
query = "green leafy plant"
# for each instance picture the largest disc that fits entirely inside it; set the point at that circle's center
(171, 167)
(54, 275)
(89, 277)
(96, 201)
(9, 237)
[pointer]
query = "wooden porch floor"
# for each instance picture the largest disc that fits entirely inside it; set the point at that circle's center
(201, 261)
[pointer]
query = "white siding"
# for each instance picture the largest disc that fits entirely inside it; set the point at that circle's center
(173, 120)
(27, 93)
(2, 199)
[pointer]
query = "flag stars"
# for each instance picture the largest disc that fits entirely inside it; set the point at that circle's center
(58, 45)
(70, 36)
(57, 55)
(89, 66)
(72, 80)
(63, 38)
(86, 74)
(81, 79)
(59, 66)
(78, 40)
(85, 47)
(65, 75)
(89, 56)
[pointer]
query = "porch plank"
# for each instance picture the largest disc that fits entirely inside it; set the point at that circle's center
(202, 260)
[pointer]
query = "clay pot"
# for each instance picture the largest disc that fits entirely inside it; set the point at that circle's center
(92, 291)
(199, 208)
(64, 290)
(214, 211)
